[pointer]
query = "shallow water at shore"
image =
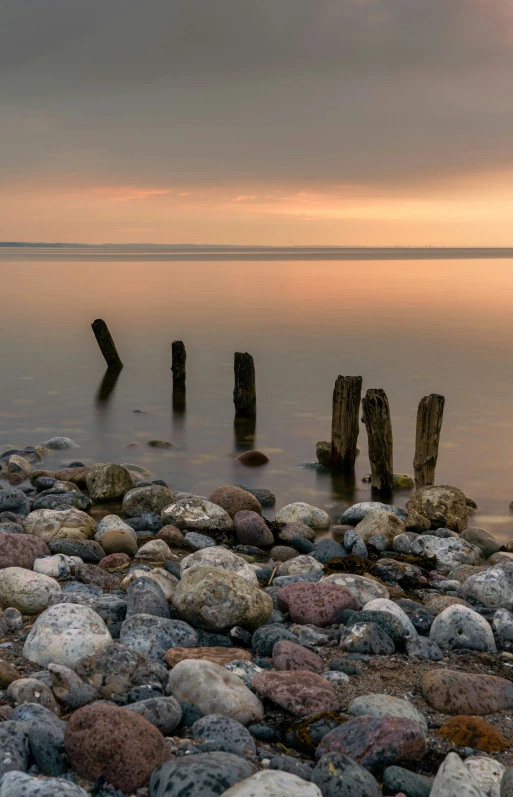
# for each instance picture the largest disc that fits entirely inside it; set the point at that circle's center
(410, 326)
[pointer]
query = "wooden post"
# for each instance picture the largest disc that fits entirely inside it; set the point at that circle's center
(244, 394)
(344, 424)
(106, 344)
(179, 357)
(376, 417)
(429, 423)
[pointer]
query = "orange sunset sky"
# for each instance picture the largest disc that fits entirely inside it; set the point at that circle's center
(273, 122)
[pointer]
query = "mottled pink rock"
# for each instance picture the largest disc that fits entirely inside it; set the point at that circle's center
(316, 603)
(289, 656)
(452, 692)
(113, 561)
(299, 692)
(376, 742)
(20, 550)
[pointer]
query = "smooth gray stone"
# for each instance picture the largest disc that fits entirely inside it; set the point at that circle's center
(17, 784)
(13, 747)
(153, 636)
(145, 596)
(230, 736)
(336, 775)
(163, 712)
(206, 774)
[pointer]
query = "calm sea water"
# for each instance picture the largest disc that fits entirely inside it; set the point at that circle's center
(411, 323)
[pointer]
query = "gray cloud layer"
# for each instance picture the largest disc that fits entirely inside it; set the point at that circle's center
(192, 91)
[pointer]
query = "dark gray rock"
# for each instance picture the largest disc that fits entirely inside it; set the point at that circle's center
(386, 621)
(265, 497)
(62, 501)
(228, 734)
(209, 639)
(302, 545)
(206, 774)
(153, 636)
(14, 501)
(367, 638)
(251, 529)
(423, 648)
(287, 763)
(46, 743)
(265, 638)
(327, 549)
(18, 784)
(88, 550)
(145, 596)
(336, 775)
(356, 513)
(397, 779)
(147, 521)
(77, 588)
(345, 666)
(13, 747)
(144, 692)
(163, 712)
(284, 581)
(196, 541)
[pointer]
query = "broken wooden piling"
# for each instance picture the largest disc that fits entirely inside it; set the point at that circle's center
(345, 422)
(244, 393)
(376, 417)
(178, 360)
(106, 343)
(427, 438)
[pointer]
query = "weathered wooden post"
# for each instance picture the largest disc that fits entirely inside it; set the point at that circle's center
(429, 423)
(244, 393)
(106, 344)
(344, 423)
(376, 417)
(179, 358)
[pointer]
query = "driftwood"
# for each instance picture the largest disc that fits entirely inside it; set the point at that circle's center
(429, 423)
(376, 417)
(244, 394)
(106, 344)
(344, 424)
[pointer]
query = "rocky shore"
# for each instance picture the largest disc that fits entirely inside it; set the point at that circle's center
(160, 643)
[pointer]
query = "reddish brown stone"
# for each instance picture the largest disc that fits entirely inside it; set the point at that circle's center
(253, 458)
(35, 474)
(452, 692)
(15, 479)
(216, 655)
(376, 742)
(301, 693)
(289, 656)
(92, 574)
(113, 561)
(20, 550)
(114, 743)
(171, 535)
(474, 732)
(235, 499)
(316, 603)
(75, 475)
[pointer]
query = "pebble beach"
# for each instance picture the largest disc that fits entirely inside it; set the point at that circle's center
(163, 644)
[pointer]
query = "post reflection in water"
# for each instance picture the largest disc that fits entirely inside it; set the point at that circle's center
(244, 428)
(107, 385)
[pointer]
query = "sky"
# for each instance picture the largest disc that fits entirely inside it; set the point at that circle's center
(273, 122)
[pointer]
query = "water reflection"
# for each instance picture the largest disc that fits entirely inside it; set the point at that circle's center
(107, 385)
(244, 427)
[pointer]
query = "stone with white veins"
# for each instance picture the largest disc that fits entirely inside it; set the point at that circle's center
(487, 772)
(493, 587)
(197, 514)
(300, 512)
(54, 524)
(64, 634)
(449, 551)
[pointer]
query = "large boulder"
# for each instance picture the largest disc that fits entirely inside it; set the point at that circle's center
(197, 514)
(152, 498)
(121, 746)
(214, 690)
(234, 499)
(30, 593)
(109, 482)
(459, 627)
(215, 600)
(453, 692)
(300, 512)
(220, 558)
(493, 587)
(380, 522)
(444, 506)
(53, 524)
(65, 633)
(20, 550)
